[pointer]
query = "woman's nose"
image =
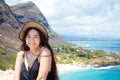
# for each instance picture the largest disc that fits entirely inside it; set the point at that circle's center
(31, 39)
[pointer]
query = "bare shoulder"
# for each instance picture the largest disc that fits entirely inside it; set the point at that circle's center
(45, 52)
(20, 54)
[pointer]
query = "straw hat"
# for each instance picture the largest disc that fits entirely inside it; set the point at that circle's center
(32, 24)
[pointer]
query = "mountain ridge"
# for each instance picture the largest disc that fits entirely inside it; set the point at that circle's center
(11, 20)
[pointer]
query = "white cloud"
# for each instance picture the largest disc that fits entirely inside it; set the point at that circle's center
(86, 19)
(47, 7)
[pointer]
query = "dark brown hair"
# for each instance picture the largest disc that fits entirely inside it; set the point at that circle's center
(43, 42)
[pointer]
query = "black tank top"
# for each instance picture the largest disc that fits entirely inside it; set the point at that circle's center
(32, 73)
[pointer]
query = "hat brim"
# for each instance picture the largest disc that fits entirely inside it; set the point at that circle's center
(32, 24)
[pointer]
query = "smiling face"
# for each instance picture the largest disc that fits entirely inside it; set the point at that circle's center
(33, 39)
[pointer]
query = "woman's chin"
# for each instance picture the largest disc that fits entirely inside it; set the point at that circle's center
(32, 47)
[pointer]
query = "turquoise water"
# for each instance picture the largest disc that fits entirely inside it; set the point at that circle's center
(112, 46)
(106, 73)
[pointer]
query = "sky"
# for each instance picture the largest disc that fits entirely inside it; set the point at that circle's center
(85, 18)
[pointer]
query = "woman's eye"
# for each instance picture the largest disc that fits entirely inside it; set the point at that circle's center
(35, 37)
(27, 36)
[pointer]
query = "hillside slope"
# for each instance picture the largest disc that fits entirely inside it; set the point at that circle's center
(11, 20)
(28, 11)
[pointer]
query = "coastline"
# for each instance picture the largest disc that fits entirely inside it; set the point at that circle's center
(62, 68)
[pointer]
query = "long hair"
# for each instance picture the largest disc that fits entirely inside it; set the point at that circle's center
(43, 42)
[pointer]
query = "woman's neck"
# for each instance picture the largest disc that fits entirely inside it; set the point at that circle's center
(35, 51)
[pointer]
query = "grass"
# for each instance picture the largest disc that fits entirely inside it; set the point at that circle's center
(64, 58)
(7, 60)
(69, 55)
(66, 55)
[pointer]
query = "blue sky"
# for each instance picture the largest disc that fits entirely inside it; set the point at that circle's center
(93, 18)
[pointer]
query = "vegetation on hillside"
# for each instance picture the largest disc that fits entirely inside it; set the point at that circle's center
(69, 55)
(7, 60)
(76, 55)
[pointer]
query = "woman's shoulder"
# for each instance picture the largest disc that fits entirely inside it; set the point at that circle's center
(20, 53)
(45, 51)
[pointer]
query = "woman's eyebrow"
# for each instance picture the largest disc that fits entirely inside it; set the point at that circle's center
(36, 35)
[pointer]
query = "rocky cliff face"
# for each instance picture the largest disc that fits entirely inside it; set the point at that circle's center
(28, 11)
(8, 28)
(7, 16)
(11, 20)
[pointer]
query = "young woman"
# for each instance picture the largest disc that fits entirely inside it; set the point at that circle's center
(36, 60)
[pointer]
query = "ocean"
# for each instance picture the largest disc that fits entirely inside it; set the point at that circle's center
(110, 46)
(104, 73)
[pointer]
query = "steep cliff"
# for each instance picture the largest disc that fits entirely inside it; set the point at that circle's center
(28, 11)
(8, 28)
(11, 20)
(7, 16)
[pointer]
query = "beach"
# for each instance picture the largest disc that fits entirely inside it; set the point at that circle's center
(62, 68)
(9, 74)
(6, 75)
(71, 67)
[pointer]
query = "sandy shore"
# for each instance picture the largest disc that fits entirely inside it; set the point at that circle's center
(6, 75)
(9, 74)
(70, 67)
